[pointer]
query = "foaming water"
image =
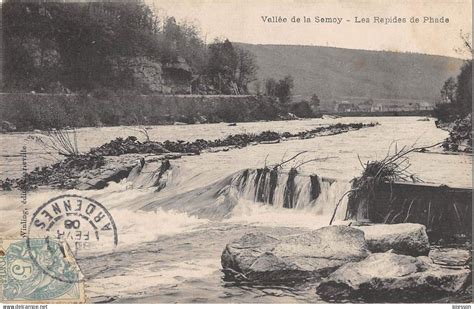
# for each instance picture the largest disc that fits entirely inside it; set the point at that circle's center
(133, 226)
(141, 226)
(308, 211)
(280, 189)
(248, 212)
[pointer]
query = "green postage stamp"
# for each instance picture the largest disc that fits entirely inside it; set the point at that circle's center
(39, 271)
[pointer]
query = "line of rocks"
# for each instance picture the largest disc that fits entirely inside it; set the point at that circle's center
(131, 144)
(110, 162)
(62, 174)
(347, 263)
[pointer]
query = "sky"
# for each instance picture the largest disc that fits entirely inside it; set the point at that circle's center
(241, 21)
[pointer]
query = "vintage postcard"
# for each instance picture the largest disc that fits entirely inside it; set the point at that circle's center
(236, 152)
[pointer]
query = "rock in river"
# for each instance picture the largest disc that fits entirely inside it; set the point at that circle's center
(259, 257)
(99, 181)
(389, 277)
(403, 238)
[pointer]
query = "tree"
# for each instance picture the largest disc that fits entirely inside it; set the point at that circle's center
(315, 101)
(448, 92)
(457, 92)
(246, 69)
(182, 39)
(464, 79)
(466, 48)
(222, 65)
(84, 36)
(464, 88)
(86, 46)
(258, 87)
(270, 87)
(283, 89)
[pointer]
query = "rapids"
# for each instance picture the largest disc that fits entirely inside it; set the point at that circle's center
(173, 227)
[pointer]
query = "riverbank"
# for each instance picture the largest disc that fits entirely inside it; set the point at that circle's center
(30, 111)
(460, 134)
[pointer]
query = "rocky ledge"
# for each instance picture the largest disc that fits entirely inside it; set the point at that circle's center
(389, 277)
(258, 257)
(403, 238)
(87, 172)
(339, 261)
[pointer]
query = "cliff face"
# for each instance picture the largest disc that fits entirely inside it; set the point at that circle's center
(150, 76)
(44, 55)
(146, 74)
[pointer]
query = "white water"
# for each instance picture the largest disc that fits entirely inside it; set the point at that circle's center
(171, 240)
(306, 212)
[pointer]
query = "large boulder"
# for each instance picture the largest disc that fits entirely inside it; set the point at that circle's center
(403, 238)
(389, 277)
(259, 257)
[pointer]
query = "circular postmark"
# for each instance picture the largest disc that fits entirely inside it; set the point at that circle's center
(82, 223)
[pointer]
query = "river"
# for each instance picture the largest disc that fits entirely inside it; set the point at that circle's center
(170, 241)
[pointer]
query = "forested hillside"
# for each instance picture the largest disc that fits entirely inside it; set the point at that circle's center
(72, 47)
(335, 72)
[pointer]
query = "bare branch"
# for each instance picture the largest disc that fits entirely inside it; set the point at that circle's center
(265, 162)
(313, 160)
(290, 159)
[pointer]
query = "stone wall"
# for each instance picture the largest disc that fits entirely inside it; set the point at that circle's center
(29, 111)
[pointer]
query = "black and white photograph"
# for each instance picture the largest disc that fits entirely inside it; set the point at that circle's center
(235, 152)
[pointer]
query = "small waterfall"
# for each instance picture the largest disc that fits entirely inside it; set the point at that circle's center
(282, 190)
(291, 190)
(257, 185)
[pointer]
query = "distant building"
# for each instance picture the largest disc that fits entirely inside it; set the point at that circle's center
(345, 107)
(365, 106)
(377, 107)
(394, 108)
(425, 106)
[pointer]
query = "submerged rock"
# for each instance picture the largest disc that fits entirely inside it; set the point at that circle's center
(259, 257)
(389, 277)
(99, 181)
(115, 169)
(403, 238)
